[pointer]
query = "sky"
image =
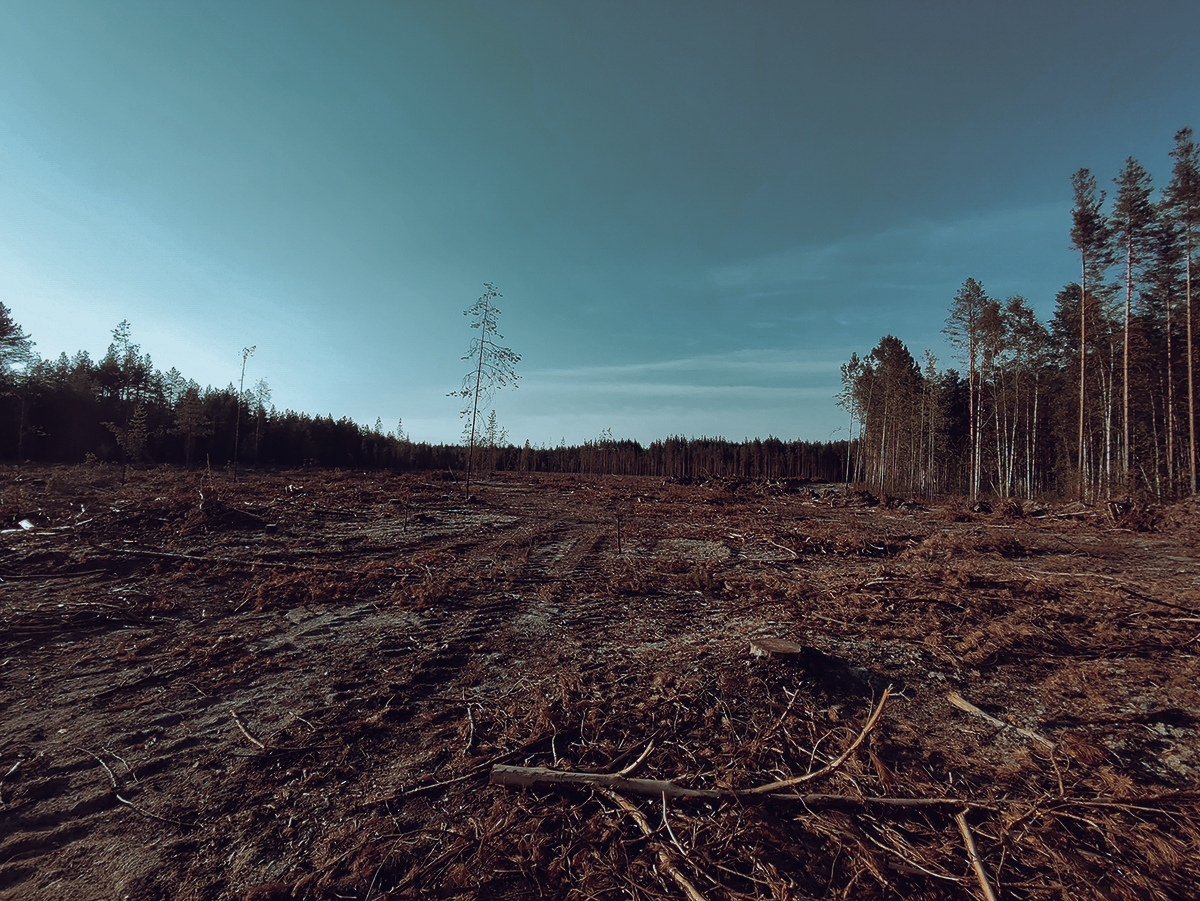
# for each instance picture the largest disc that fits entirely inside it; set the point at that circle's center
(695, 211)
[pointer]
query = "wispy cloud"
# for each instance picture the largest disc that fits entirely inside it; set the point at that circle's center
(798, 264)
(908, 257)
(755, 366)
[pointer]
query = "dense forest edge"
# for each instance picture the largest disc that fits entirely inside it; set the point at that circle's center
(1098, 402)
(123, 411)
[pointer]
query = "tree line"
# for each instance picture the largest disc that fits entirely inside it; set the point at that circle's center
(1101, 400)
(122, 410)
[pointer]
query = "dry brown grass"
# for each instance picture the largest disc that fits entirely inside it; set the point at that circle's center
(387, 643)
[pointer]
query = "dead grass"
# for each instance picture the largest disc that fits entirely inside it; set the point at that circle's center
(387, 643)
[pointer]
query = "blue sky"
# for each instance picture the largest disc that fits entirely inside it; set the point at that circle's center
(695, 211)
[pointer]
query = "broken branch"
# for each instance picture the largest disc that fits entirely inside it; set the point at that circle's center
(629, 770)
(976, 862)
(529, 777)
(963, 704)
(871, 723)
(665, 863)
(252, 739)
(541, 777)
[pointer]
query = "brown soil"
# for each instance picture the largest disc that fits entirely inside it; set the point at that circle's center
(296, 686)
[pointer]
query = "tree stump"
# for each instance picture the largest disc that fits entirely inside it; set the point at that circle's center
(776, 647)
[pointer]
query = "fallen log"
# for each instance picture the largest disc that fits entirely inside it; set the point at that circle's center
(542, 777)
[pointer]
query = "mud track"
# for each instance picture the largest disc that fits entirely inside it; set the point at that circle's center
(295, 686)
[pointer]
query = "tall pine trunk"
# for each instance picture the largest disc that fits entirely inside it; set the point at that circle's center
(1191, 372)
(1082, 371)
(1125, 455)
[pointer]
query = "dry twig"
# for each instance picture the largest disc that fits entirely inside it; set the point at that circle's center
(963, 704)
(665, 863)
(871, 723)
(111, 777)
(12, 770)
(430, 786)
(629, 770)
(470, 732)
(153, 816)
(252, 739)
(976, 862)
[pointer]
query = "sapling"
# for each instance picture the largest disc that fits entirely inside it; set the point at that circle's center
(237, 407)
(494, 368)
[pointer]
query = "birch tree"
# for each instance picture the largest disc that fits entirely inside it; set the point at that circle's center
(848, 400)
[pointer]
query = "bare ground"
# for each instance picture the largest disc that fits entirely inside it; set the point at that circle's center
(296, 686)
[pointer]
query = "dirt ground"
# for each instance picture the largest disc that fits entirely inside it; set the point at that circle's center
(298, 685)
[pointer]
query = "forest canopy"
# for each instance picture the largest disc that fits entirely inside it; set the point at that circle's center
(1099, 401)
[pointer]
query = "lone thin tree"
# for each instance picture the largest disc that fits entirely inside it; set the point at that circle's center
(247, 352)
(494, 366)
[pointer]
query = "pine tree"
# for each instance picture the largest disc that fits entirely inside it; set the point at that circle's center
(262, 397)
(1165, 283)
(132, 438)
(495, 367)
(125, 375)
(190, 421)
(1030, 344)
(17, 349)
(963, 329)
(15, 346)
(1133, 220)
(1183, 205)
(1090, 235)
(247, 352)
(891, 424)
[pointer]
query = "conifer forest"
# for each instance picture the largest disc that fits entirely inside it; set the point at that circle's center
(1098, 401)
(124, 411)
